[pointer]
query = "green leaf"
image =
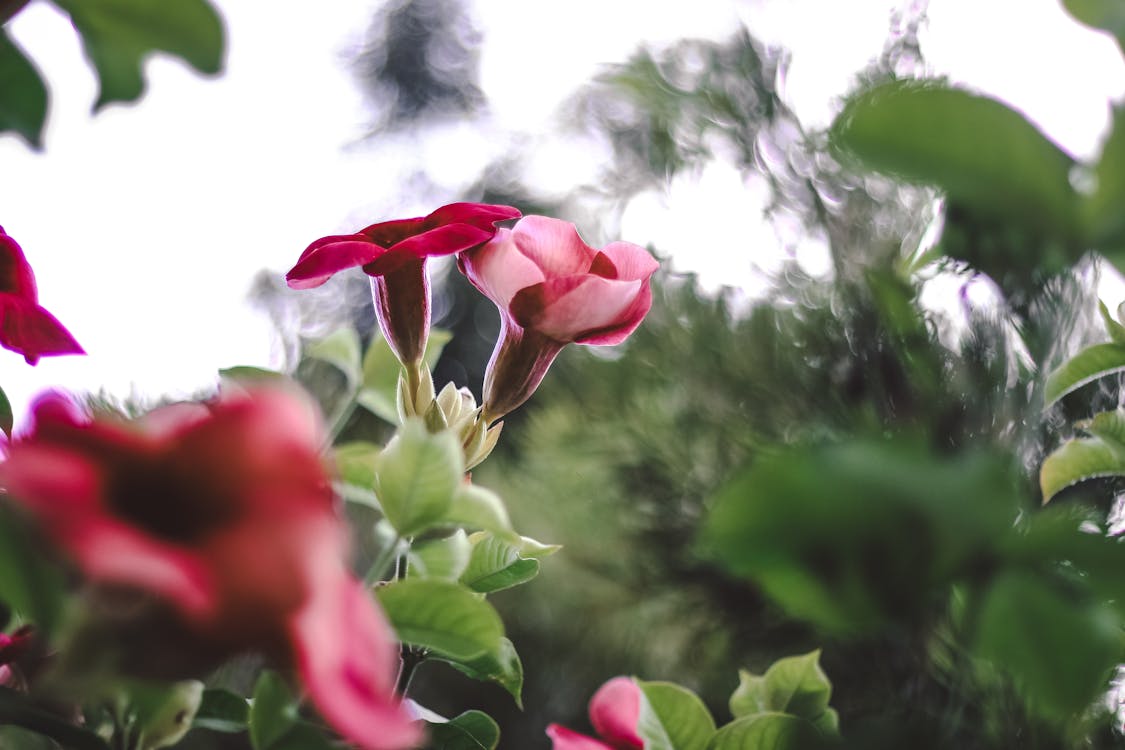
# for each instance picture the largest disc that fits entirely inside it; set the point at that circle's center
(472, 730)
(23, 95)
(1115, 330)
(164, 712)
(356, 463)
(418, 475)
(1102, 209)
(794, 685)
(222, 711)
(1108, 15)
(444, 559)
(496, 564)
(673, 718)
(478, 508)
(1024, 621)
(502, 667)
(1077, 460)
(1088, 365)
(6, 417)
(304, 736)
(381, 370)
(249, 375)
(273, 711)
(16, 708)
(119, 34)
(29, 582)
(767, 731)
(341, 350)
(442, 616)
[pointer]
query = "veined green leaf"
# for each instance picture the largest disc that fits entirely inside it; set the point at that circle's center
(503, 667)
(1077, 460)
(794, 685)
(472, 730)
(442, 616)
(673, 718)
(417, 476)
(496, 564)
(1088, 365)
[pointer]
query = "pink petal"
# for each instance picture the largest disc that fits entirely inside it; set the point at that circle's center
(480, 215)
(632, 261)
(499, 270)
(615, 710)
(346, 657)
(553, 245)
(328, 256)
(569, 308)
(28, 329)
(625, 326)
(567, 739)
(446, 240)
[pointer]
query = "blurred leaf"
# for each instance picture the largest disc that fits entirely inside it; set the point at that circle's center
(1107, 425)
(673, 718)
(1115, 330)
(249, 375)
(496, 564)
(119, 34)
(23, 95)
(30, 583)
(1077, 460)
(341, 350)
(472, 730)
(1108, 15)
(1060, 652)
(444, 559)
(273, 711)
(1088, 365)
(18, 709)
(1102, 209)
(418, 475)
(794, 685)
(767, 731)
(442, 616)
(356, 463)
(222, 711)
(304, 736)
(6, 418)
(478, 508)
(502, 667)
(164, 711)
(381, 372)
(854, 536)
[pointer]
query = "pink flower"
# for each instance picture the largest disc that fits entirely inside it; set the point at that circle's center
(12, 647)
(226, 514)
(393, 254)
(614, 711)
(25, 327)
(553, 289)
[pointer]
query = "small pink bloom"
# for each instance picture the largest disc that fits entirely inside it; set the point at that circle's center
(614, 711)
(226, 513)
(553, 289)
(25, 327)
(393, 254)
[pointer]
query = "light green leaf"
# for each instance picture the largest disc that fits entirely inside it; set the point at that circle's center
(472, 730)
(119, 34)
(794, 685)
(23, 95)
(673, 718)
(418, 475)
(356, 463)
(444, 559)
(478, 508)
(341, 350)
(497, 564)
(1107, 425)
(1107, 15)
(767, 731)
(442, 616)
(381, 372)
(503, 667)
(1077, 460)
(164, 713)
(1088, 365)
(222, 711)
(273, 711)
(532, 548)
(249, 375)
(1115, 330)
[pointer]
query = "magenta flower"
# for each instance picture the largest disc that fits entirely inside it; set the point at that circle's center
(393, 254)
(553, 289)
(226, 514)
(12, 648)
(25, 327)
(614, 711)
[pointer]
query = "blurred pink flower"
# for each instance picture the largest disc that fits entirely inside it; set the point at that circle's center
(553, 289)
(12, 647)
(393, 254)
(25, 327)
(226, 513)
(614, 711)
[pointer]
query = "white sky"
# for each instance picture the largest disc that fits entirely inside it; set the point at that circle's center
(146, 223)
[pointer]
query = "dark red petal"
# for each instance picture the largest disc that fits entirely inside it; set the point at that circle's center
(328, 256)
(480, 215)
(28, 329)
(567, 739)
(603, 266)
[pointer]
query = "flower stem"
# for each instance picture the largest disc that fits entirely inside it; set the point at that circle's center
(411, 659)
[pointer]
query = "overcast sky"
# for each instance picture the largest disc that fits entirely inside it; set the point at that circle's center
(146, 224)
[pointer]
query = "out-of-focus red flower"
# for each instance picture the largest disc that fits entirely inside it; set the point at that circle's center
(614, 711)
(393, 254)
(553, 289)
(25, 327)
(12, 647)
(225, 513)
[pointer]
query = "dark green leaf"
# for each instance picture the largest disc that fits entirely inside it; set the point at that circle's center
(502, 667)
(442, 616)
(23, 95)
(273, 711)
(304, 736)
(119, 34)
(5, 414)
(673, 718)
(1091, 363)
(1108, 15)
(767, 731)
(30, 583)
(472, 730)
(418, 474)
(17, 708)
(222, 711)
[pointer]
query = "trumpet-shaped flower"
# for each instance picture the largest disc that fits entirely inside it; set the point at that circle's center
(553, 289)
(614, 711)
(225, 514)
(25, 327)
(393, 254)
